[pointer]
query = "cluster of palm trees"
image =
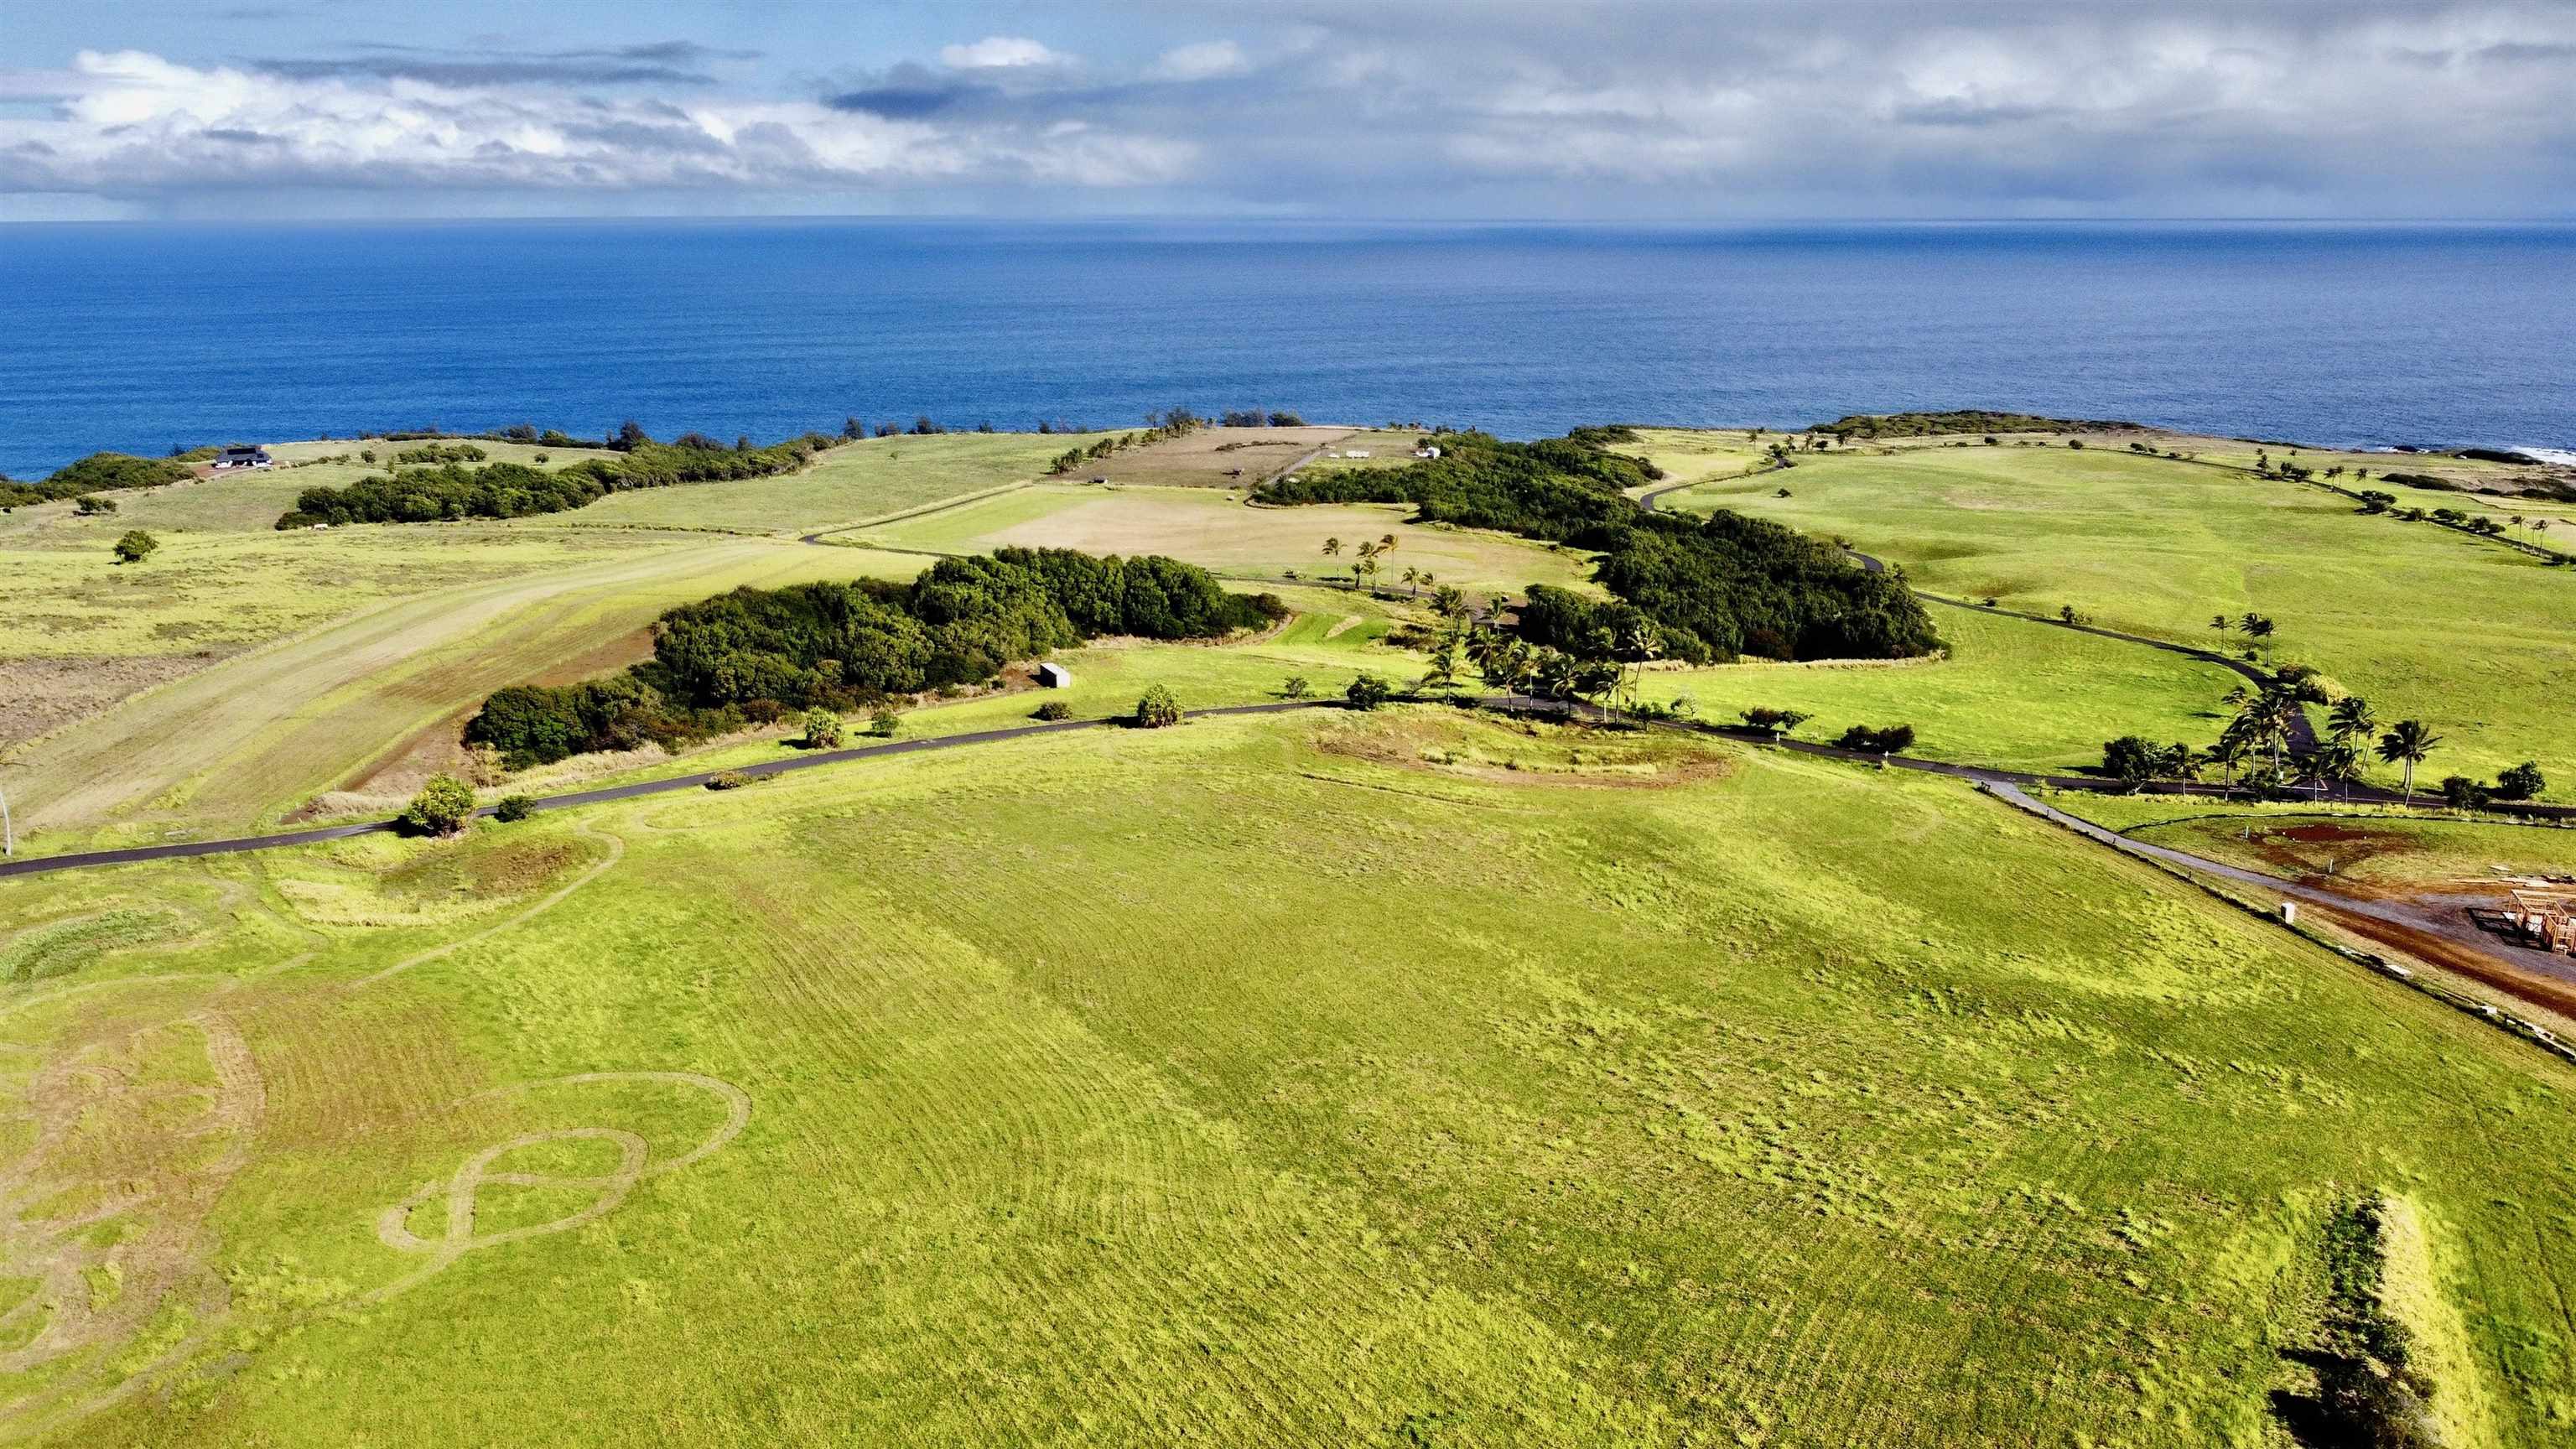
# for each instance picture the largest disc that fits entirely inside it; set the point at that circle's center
(1365, 566)
(2258, 628)
(2267, 720)
(1597, 676)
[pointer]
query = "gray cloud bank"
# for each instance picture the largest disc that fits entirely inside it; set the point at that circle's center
(1706, 110)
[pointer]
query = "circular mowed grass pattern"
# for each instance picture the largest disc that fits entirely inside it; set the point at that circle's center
(1271, 1081)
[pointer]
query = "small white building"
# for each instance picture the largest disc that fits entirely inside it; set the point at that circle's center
(1054, 676)
(243, 458)
(1426, 451)
(1356, 453)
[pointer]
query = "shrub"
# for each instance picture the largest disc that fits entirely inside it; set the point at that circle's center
(2463, 793)
(884, 723)
(1295, 688)
(90, 505)
(1777, 721)
(2132, 760)
(1368, 692)
(729, 780)
(1880, 739)
(515, 807)
(441, 808)
(136, 546)
(2521, 782)
(1053, 709)
(823, 730)
(1158, 709)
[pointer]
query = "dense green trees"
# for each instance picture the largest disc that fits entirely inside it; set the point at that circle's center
(136, 546)
(97, 473)
(1924, 425)
(450, 490)
(1714, 588)
(756, 653)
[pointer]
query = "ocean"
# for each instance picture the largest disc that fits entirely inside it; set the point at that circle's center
(143, 338)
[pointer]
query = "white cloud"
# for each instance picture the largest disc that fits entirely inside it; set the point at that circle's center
(1654, 107)
(1206, 60)
(136, 123)
(1000, 52)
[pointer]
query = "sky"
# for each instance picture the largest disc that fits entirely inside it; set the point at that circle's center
(1577, 110)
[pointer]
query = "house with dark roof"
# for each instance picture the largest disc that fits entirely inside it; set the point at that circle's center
(253, 457)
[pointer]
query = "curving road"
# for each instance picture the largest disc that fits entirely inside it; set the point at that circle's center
(177, 850)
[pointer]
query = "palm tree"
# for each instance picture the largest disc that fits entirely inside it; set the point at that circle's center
(1332, 548)
(2337, 763)
(2351, 719)
(2231, 751)
(2257, 627)
(2408, 742)
(2265, 719)
(1413, 581)
(1645, 644)
(1559, 675)
(2222, 624)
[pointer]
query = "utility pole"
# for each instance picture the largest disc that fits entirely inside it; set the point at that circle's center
(8, 832)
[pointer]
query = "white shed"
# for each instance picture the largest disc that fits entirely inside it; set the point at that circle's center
(1054, 676)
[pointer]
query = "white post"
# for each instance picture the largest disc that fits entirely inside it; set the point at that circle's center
(8, 832)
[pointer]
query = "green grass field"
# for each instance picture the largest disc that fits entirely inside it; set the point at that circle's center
(852, 483)
(2477, 639)
(1218, 531)
(1309, 1079)
(2013, 694)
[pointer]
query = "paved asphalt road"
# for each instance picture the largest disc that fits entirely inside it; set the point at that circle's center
(178, 849)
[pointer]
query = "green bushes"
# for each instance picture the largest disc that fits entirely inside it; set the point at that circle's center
(514, 808)
(90, 505)
(97, 473)
(1924, 425)
(441, 808)
(1877, 739)
(450, 490)
(1052, 710)
(1368, 692)
(755, 653)
(433, 453)
(136, 546)
(1714, 589)
(1158, 708)
(823, 730)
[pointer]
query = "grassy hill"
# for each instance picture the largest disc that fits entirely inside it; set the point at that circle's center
(2472, 636)
(1395, 1078)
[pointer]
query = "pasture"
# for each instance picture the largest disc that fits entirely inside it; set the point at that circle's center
(1262, 1081)
(2477, 639)
(246, 741)
(1207, 458)
(2011, 693)
(849, 484)
(1227, 536)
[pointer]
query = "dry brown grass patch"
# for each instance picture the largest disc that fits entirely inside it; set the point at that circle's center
(1520, 751)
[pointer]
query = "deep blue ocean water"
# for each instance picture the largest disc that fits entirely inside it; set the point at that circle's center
(144, 337)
